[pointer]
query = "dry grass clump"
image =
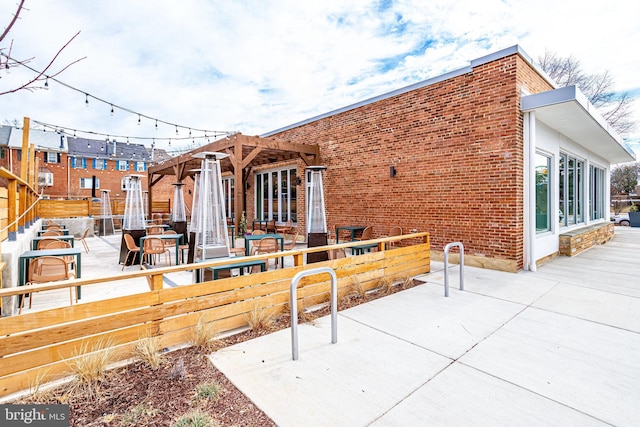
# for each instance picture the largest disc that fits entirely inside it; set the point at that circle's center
(89, 364)
(385, 285)
(136, 415)
(195, 418)
(147, 350)
(260, 319)
(204, 336)
(209, 391)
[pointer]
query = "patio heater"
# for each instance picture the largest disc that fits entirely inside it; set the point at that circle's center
(105, 224)
(179, 216)
(145, 200)
(133, 220)
(193, 224)
(211, 237)
(316, 216)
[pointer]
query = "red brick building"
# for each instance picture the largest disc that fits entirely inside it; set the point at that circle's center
(493, 155)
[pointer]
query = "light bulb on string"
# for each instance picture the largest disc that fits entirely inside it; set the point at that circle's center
(112, 109)
(127, 140)
(156, 124)
(86, 100)
(46, 82)
(138, 119)
(176, 129)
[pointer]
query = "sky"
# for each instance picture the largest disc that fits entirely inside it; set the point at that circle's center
(257, 66)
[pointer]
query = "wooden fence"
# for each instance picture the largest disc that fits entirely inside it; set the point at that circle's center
(37, 347)
(82, 208)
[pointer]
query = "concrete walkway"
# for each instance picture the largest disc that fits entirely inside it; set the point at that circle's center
(560, 346)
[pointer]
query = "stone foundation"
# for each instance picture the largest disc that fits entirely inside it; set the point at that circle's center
(575, 241)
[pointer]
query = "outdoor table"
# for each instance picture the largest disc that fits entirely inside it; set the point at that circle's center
(359, 250)
(25, 259)
(64, 232)
(352, 228)
(260, 222)
(236, 262)
(45, 226)
(34, 243)
(176, 237)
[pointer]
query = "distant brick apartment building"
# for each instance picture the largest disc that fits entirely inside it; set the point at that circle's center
(77, 168)
(493, 155)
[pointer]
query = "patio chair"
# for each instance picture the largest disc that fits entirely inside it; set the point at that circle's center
(337, 254)
(46, 269)
(83, 239)
(154, 246)
(61, 244)
(271, 226)
(289, 246)
(172, 244)
(52, 233)
(394, 231)
(366, 234)
(267, 245)
(155, 230)
(42, 244)
(286, 228)
(132, 248)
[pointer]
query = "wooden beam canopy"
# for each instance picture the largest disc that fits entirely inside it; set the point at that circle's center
(245, 153)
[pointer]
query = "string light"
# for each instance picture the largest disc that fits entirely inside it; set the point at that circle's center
(113, 106)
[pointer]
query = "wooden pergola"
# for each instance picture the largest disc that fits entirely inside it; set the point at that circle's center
(245, 153)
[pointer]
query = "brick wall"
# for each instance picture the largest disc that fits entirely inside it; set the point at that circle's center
(457, 147)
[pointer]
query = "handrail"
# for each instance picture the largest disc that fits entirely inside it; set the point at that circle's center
(294, 305)
(446, 266)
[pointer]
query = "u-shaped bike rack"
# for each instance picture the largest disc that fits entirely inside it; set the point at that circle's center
(294, 305)
(446, 266)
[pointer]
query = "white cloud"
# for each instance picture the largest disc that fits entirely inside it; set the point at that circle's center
(255, 66)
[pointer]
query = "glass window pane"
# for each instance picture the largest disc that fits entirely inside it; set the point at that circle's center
(543, 199)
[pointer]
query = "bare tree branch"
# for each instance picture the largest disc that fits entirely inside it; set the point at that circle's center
(598, 88)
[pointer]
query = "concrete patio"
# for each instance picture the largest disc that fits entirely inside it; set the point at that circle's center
(560, 346)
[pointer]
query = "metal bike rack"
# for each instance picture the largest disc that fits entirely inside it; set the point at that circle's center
(294, 305)
(446, 266)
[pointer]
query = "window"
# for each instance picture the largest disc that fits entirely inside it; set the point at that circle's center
(141, 166)
(2, 154)
(78, 163)
(51, 157)
(122, 165)
(45, 179)
(87, 183)
(124, 183)
(596, 192)
(228, 188)
(276, 195)
(570, 190)
(100, 164)
(543, 195)
(19, 154)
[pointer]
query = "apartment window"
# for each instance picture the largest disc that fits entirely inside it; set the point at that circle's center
(124, 183)
(100, 164)
(51, 157)
(45, 179)
(596, 193)
(87, 183)
(78, 163)
(141, 166)
(122, 165)
(570, 190)
(2, 154)
(543, 195)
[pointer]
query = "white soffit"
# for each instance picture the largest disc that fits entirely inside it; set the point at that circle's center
(568, 111)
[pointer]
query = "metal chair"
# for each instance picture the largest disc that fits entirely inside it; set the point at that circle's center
(83, 239)
(61, 244)
(266, 245)
(154, 246)
(43, 243)
(47, 269)
(132, 248)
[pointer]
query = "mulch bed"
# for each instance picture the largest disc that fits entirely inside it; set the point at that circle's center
(138, 395)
